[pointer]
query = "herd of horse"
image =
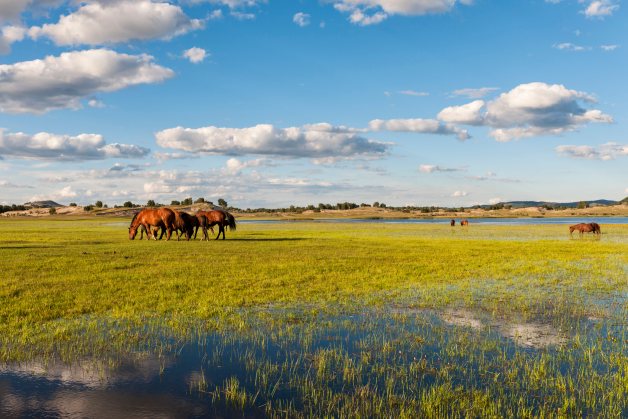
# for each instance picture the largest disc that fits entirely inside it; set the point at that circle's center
(582, 227)
(169, 220)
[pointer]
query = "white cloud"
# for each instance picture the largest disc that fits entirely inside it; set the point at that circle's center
(424, 126)
(98, 23)
(158, 155)
(577, 32)
(67, 192)
(325, 127)
(322, 25)
(235, 166)
(599, 8)
(528, 110)
(491, 174)
(51, 147)
(10, 34)
(473, 93)
(571, 47)
(62, 82)
(459, 193)
(609, 47)
(494, 201)
(403, 7)
(215, 15)
(411, 93)
(269, 140)
(195, 55)
(10, 10)
(6, 184)
(301, 19)
(608, 151)
(429, 168)
(387, 94)
(96, 103)
(242, 16)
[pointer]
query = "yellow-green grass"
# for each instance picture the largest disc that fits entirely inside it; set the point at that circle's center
(56, 269)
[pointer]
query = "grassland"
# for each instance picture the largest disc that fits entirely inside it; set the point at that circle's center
(461, 302)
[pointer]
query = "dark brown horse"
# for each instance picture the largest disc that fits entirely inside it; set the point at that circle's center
(464, 223)
(162, 217)
(453, 223)
(585, 228)
(220, 218)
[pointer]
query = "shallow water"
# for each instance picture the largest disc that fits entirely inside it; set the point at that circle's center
(269, 364)
(484, 221)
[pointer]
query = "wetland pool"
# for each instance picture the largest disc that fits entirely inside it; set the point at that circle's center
(397, 361)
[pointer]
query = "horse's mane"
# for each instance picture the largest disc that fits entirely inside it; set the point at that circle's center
(135, 216)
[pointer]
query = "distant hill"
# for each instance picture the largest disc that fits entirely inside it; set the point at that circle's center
(517, 204)
(44, 203)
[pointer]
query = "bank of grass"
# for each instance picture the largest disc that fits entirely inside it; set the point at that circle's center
(368, 320)
(57, 269)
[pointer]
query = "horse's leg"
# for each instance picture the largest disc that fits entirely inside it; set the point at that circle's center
(222, 228)
(219, 230)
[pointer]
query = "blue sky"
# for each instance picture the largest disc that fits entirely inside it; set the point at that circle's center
(268, 104)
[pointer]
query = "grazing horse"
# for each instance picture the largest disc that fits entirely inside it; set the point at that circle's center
(220, 218)
(585, 228)
(453, 223)
(464, 223)
(162, 217)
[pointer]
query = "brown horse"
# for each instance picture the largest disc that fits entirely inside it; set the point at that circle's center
(464, 223)
(162, 217)
(585, 228)
(453, 223)
(220, 218)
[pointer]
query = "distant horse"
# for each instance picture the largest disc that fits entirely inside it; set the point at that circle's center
(585, 228)
(162, 217)
(453, 223)
(464, 223)
(220, 218)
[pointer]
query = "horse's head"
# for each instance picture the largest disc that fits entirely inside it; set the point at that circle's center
(132, 232)
(571, 229)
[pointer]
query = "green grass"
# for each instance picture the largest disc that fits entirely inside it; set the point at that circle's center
(369, 320)
(66, 270)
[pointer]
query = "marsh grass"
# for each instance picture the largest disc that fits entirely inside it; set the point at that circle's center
(324, 320)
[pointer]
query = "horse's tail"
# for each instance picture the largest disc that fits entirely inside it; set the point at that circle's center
(231, 223)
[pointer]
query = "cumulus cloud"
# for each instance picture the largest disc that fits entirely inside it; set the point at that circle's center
(424, 126)
(459, 193)
(301, 19)
(494, 201)
(325, 127)
(609, 47)
(608, 151)
(411, 93)
(195, 55)
(97, 23)
(528, 110)
(403, 7)
(242, 16)
(571, 47)
(158, 155)
(51, 147)
(429, 168)
(473, 93)
(269, 140)
(8, 35)
(235, 166)
(598, 8)
(67, 192)
(63, 82)
(10, 10)
(7, 184)
(96, 103)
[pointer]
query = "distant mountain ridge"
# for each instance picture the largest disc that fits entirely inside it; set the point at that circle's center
(562, 204)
